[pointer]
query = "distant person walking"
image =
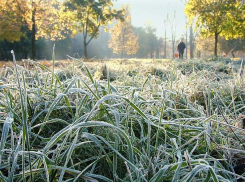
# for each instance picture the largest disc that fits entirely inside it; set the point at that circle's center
(181, 48)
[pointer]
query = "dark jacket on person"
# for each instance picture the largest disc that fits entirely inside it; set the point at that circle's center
(181, 47)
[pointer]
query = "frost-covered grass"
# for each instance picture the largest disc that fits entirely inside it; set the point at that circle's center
(126, 120)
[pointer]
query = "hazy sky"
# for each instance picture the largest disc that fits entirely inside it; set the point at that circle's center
(143, 11)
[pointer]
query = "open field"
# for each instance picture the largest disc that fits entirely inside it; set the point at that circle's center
(122, 120)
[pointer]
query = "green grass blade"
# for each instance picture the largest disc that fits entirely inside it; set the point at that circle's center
(68, 156)
(6, 126)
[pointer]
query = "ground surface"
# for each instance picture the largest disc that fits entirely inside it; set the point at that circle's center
(122, 120)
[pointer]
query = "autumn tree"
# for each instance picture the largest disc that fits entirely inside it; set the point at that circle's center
(211, 16)
(10, 20)
(42, 17)
(123, 40)
(46, 19)
(88, 15)
(235, 27)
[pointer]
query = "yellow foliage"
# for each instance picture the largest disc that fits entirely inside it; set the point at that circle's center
(215, 16)
(123, 40)
(46, 15)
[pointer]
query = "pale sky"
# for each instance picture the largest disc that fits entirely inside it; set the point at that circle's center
(156, 11)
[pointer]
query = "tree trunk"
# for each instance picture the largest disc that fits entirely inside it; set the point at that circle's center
(191, 43)
(121, 55)
(151, 54)
(157, 53)
(1, 55)
(123, 43)
(85, 52)
(25, 54)
(186, 44)
(216, 44)
(33, 32)
(165, 45)
(173, 43)
(173, 46)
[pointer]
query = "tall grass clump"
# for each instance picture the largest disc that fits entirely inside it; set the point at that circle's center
(58, 125)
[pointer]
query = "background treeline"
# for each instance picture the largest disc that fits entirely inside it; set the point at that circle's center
(149, 46)
(95, 29)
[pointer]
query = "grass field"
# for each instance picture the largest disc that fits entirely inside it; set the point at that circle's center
(122, 120)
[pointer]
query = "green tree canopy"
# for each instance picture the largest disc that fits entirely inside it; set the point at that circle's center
(149, 44)
(215, 17)
(86, 16)
(151, 38)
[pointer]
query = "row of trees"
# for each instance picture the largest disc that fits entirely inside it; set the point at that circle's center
(147, 45)
(39, 24)
(73, 24)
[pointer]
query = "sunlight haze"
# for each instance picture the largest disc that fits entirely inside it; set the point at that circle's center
(143, 11)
